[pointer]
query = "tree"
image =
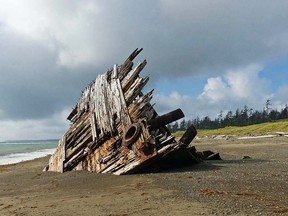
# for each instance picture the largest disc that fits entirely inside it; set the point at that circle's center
(196, 122)
(220, 118)
(284, 112)
(182, 125)
(250, 115)
(274, 115)
(228, 118)
(175, 127)
(245, 116)
(268, 106)
(237, 118)
(188, 124)
(206, 122)
(266, 110)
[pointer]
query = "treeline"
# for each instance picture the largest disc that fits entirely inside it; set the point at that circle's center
(243, 117)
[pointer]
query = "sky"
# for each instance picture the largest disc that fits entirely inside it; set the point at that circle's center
(203, 56)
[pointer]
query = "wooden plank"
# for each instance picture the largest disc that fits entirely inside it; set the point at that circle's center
(120, 103)
(126, 67)
(135, 89)
(132, 75)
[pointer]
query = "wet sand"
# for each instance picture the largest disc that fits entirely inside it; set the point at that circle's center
(257, 186)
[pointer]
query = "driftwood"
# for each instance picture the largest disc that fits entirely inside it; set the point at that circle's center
(115, 129)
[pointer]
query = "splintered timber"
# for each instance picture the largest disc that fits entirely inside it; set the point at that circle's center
(115, 129)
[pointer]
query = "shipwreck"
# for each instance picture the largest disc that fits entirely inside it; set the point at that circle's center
(115, 129)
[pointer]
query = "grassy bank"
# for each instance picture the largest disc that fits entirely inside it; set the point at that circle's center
(258, 129)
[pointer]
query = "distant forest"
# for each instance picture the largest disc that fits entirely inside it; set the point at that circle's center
(243, 117)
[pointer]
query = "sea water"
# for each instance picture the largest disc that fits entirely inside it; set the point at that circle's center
(21, 150)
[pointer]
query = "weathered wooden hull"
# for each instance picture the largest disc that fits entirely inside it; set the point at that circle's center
(115, 129)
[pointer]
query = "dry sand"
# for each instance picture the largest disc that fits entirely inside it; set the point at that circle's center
(257, 186)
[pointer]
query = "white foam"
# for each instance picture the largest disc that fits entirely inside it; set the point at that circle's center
(19, 157)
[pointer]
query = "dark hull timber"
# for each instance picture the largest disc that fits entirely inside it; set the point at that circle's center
(115, 129)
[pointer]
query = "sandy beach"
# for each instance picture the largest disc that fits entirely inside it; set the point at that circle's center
(234, 186)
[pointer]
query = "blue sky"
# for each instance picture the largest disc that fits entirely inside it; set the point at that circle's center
(203, 56)
(276, 72)
(191, 86)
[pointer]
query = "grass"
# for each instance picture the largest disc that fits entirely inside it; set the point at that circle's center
(258, 129)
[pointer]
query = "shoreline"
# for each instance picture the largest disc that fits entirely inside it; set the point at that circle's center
(15, 158)
(25, 161)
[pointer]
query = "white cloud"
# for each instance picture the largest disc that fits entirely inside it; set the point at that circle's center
(189, 33)
(173, 101)
(191, 106)
(215, 89)
(63, 25)
(51, 49)
(280, 99)
(246, 83)
(50, 128)
(241, 85)
(232, 90)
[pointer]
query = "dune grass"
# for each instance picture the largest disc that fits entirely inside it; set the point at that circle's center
(257, 129)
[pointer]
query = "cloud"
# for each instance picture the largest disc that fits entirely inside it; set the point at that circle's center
(61, 25)
(82, 32)
(46, 128)
(50, 50)
(173, 101)
(31, 85)
(242, 84)
(179, 37)
(279, 99)
(191, 106)
(215, 89)
(232, 90)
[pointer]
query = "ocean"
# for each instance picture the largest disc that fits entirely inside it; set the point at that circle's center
(22, 150)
